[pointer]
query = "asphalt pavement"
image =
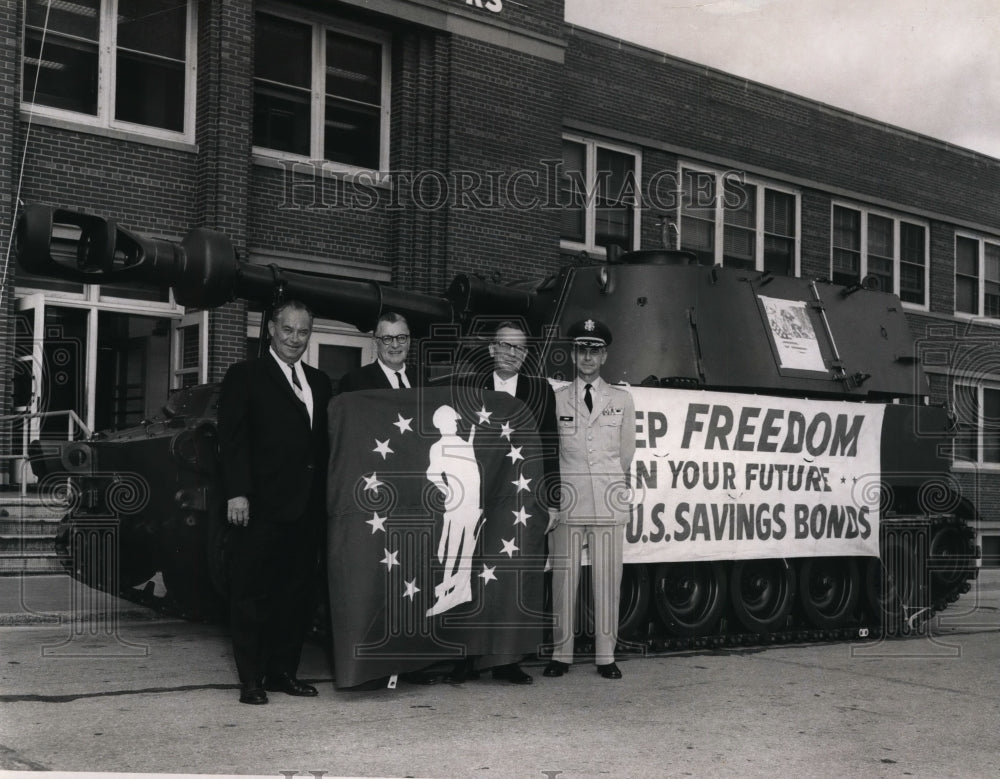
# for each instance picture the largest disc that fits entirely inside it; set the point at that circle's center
(90, 684)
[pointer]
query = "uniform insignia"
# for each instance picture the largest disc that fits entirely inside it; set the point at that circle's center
(565, 419)
(589, 325)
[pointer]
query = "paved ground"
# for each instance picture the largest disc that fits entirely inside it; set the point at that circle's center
(151, 695)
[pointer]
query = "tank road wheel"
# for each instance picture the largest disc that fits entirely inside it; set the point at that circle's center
(762, 593)
(690, 597)
(829, 588)
(634, 601)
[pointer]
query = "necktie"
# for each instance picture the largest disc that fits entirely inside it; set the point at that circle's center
(297, 385)
(588, 399)
(399, 381)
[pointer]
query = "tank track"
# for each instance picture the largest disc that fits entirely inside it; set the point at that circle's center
(927, 563)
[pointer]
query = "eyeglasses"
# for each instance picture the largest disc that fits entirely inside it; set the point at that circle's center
(389, 340)
(589, 351)
(503, 346)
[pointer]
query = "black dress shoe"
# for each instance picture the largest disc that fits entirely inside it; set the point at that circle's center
(253, 694)
(555, 668)
(511, 673)
(420, 677)
(287, 683)
(609, 671)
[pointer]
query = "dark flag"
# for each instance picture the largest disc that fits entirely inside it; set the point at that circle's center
(436, 540)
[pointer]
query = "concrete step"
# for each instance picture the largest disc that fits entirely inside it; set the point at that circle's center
(28, 527)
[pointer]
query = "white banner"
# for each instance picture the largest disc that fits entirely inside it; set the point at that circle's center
(723, 476)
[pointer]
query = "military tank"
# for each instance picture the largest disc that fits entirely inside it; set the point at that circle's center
(791, 481)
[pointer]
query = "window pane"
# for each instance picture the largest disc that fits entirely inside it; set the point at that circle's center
(880, 236)
(912, 254)
(281, 119)
(63, 76)
(699, 194)
(283, 51)
(571, 186)
(153, 27)
(846, 260)
(911, 243)
(698, 236)
(352, 134)
(150, 91)
(966, 409)
(353, 69)
(991, 425)
(615, 198)
(739, 250)
(79, 19)
(967, 275)
(740, 205)
(779, 213)
(778, 255)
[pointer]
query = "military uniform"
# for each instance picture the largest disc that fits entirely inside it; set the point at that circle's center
(595, 451)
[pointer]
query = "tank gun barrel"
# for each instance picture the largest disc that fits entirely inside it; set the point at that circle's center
(203, 270)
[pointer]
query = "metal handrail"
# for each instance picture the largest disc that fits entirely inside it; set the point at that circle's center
(72, 418)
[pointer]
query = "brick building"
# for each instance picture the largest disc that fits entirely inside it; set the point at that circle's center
(410, 140)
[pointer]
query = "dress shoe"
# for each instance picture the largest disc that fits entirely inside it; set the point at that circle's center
(420, 677)
(463, 671)
(287, 683)
(609, 671)
(555, 668)
(253, 694)
(511, 673)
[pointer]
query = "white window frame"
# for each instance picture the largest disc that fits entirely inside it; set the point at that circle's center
(107, 53)
(177, 371)
(981, 240)
(591, 145)
(320, 25)
(760, 184)
(979, 385)
(897, 221)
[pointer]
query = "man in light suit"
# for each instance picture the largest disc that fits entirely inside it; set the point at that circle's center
(392, 345)
(596, 444)
(508, 351)
(274, 451)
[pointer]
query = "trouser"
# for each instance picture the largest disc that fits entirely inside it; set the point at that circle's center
(272, 596)
(605, 543)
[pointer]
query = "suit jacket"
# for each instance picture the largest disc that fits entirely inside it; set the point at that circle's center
(536, 394)
(595, 453)
(270, 452)
(371, 376)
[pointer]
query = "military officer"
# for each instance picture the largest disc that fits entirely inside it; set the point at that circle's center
(596, 443)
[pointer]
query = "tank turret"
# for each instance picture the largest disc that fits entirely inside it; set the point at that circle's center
(777, 417)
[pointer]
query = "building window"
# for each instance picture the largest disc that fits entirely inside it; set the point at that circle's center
(598, 194)
(321, 93)
(750, 225)
(977, 410)
(113, 63)
(977, 277)
(881, 247)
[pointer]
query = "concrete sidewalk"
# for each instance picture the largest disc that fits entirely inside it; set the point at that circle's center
(56, 598)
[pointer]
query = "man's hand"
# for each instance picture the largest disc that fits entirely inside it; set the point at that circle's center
(238, 511)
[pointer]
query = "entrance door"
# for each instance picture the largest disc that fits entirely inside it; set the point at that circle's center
(337, 353)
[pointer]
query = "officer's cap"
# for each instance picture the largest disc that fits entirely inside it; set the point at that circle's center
(589, 332)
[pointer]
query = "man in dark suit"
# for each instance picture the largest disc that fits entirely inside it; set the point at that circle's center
(508, 351)
(273, 439)
(392, 345)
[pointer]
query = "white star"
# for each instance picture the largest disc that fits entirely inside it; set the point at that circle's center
(522, 483)
(377, 523)
(411, 589)
(372, 483)
(515, 454)
(382, 447)
(484, 416)
(506, 430)
(403, 424)
(509, 547)
(487, 575)
(521, 516)
(390, 559)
